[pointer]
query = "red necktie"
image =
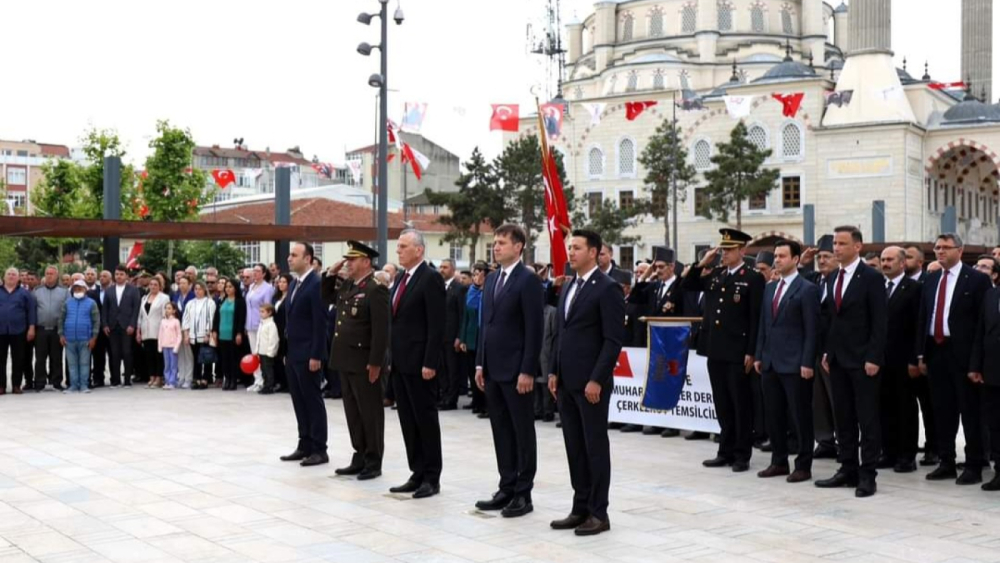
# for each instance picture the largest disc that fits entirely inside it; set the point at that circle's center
(777, 299)
(838, 295)
(400, 292)
(939, 310)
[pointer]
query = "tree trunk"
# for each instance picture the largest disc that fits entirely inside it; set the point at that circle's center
(666, 222)
(739, 214)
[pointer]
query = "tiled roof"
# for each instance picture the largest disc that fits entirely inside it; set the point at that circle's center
(61, 151)
(260, 155)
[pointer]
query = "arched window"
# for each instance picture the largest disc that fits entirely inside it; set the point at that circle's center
(702, 155)
(656, 22)
(757, 19)
(626, 157)
(758, 136)
(787, 26)
(689, 18)
(791, 141)
(595, 163)
(725, 15)
(633, 82)
(658, 83)
(628, 25)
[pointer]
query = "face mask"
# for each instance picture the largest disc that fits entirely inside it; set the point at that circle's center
(79, 295)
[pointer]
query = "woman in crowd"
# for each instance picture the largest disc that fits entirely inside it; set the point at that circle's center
(468, 334)
(281, 285)
(185, 360)
(148, 329)
(259, 293)
(197, 325)
(228, 329)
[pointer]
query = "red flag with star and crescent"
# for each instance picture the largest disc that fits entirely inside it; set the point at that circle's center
(505, 118)
(223, 177)
(790, 103)
(556, 213)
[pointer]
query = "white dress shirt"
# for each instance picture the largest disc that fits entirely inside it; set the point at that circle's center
(119, 290)
(849, 273)
(895, 284)
(665, 287)
(504, 277)
(572, 290)
(788, 283)
(951, 279)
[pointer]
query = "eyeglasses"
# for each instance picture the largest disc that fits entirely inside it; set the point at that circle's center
(943, 248)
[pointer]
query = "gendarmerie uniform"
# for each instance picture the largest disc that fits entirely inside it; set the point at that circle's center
(361, 339)
(732, 300)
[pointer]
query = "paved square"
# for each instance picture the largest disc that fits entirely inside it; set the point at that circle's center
(182, 476)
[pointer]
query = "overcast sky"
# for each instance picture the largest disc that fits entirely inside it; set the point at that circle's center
(281, 74)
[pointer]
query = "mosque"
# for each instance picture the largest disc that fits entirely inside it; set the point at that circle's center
(874, 144)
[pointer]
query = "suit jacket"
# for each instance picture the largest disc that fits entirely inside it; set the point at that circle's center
(95, 294)
(670, 304)
(732, 311)
(417, 330)
(454, 309)
(856, 333)
(901, 333)
(120, 315)
(305, 320)
(511, 325)
(361, 336)
(787, 341)
(588, 341)
(149, 323)
(963, 315)
(985, 357)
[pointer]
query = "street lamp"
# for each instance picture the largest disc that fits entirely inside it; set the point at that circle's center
(381, 81)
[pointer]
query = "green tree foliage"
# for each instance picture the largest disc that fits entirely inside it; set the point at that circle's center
(154, 256)
(34, 253)
(665, 160)
(610, 221)
(97, 144)
(738, 175)
(59, 194)
(223, 256)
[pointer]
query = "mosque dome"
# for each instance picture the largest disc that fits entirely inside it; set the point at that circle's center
(970, 111)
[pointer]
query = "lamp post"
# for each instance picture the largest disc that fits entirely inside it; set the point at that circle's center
(381, 82)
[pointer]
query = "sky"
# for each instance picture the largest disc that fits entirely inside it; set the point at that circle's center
(284, 74)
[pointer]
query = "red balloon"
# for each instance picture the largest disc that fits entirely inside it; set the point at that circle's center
(250, 363)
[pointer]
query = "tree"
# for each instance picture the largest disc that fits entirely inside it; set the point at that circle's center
(34, 253)
(738, 175)
(98, 144)
(221, 255)
(610, 221)
(172, 190)
(155, 253)
(477, 200)
(667, 169)
(59, 194)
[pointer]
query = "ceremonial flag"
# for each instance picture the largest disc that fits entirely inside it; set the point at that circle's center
(790, 103)
(634, 109)
(413, 116)
(132, 263)
(393, 136)
(556, 213)
(839, 99)
(417, 160)
(666, 374)
(324, 168)
(595, 111)
(738, 106)
(223, 178)
(355, 167)
(552, 117)
(691, 104)
(505, 118)
(946, 85)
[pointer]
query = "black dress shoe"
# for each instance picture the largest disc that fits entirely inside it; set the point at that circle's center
(483, 414)
(297, 455)
(548, 417)
(592, 527)
(741, 466)
(773, 471)
(930, 458)
(943, 472)
(427, 490)
(970, 476)
(315, 459)
(905, 467)
(519, 506)
(824, 451)
(448, 407)
(499, 501)
(650, 430)
(670, 433)
(840, 479)
(349, 470)
(630, 428)
(614, 426)
(866, 488)
(799, 475)
(407, 487)
(993, 485)
(569, 522)
(717, 461)
(467, 407)
(696, 436)
(763, 445)
(884, 462)
(369, 473)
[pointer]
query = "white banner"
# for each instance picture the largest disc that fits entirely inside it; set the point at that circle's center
(695, 411)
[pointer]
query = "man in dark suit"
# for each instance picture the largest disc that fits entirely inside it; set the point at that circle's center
(914, 267)
(824, 421)
(100, 351)
(417, 333)
(358, 354)
(728, 337)
(510, 341)
(785, 356)
(454, 310)
(915, 271)
(305, 327)
(950, 306)
(588, 341)
(984, 371)
(898, 400)
(763, 263)
(120, 314)
(855, 353)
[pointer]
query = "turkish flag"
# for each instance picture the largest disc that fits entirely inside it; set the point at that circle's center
(622, 367)
(224, 177)
(633, 109)
(946, 85)
(556, 212)
(505, 118)
(790, 103)
(133, 256)
(417, 160)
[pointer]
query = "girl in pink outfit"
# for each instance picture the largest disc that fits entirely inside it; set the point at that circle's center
(169, 342)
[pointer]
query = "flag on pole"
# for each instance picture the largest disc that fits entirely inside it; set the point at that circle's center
(413, 116)
(595, 110)
(738, 106)
(417, 160)
(223, 178)
(946, 85)
(355, 167)
(556, 213)
(839, 98)
(393, 135)
(790, 103)
(505, 118)
(669, 344)
(133, 256)
(552, 117)
(634, 109)
(324, 169)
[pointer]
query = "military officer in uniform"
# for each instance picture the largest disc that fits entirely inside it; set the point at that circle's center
(732, 300)
(358, 353)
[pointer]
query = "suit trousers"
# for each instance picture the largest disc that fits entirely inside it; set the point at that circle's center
(310, 410)
(733, 397)
(789, 393)
(955, 398)
(585, 432)
(451, 387)
(761, 428)
(99, 356)
(856, 396)
(416, 405)
(824, 421)
(991, 409)
(365, 418)
(512, 418)
(48, 358)
(899, 415)
(120, 346)
(922, 390)
(16, 344)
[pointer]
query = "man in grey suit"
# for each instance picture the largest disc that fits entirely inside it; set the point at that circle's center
(786, 352)
(121, 310)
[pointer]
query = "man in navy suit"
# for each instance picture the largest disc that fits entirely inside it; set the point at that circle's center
(510, 342)
(786, 354)
(120, 314)
(855, 353)
(305, 326)
(984, 371)
(588, 340)
(950, 305)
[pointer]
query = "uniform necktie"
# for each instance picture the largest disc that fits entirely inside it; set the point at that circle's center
(939, 310)
(838, 294)
(400, 292)
(777, 299)
(888, 290)
(499, 287)
(576, 293)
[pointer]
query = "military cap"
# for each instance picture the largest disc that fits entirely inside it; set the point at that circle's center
(360, 250)
(732, 238)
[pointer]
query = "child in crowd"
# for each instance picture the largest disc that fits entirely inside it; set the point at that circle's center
(169, 343)
(267, 346)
